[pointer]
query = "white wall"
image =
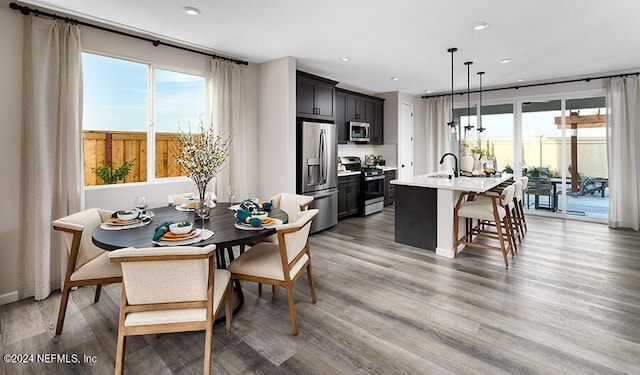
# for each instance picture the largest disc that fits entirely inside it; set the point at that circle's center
(10, 128)
(277, 127)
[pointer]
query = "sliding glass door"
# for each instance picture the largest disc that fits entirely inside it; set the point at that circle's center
(563, 152)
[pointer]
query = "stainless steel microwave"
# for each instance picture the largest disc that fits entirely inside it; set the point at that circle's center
(359, 131)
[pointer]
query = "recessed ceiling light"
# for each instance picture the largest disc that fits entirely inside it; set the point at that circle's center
(505, 61)
(191, 11)
(345, 59)
(520, 80)
(480, 26)
(428, 91)
(394, 78)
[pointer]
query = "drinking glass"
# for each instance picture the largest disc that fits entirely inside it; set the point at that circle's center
(141, 203)
(232, 190)
(202, 210)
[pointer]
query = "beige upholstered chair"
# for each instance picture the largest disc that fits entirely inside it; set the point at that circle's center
(291, 203)
(523, 219)
(283, 263)
(87, 263)
(492, 208)
(170, 289)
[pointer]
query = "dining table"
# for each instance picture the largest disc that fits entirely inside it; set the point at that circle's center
(221, 221)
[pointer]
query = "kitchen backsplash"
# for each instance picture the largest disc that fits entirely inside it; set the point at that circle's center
(388, 151)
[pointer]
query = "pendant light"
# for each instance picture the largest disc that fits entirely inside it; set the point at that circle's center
(452, 124)
(468, 127)
(480, 128)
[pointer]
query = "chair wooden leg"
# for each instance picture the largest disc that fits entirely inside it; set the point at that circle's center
(228, 307)
(208, 336)
(97, 296)
(273, 290)
(260, 289)
(120, 352)
(501, 238)
(312, 288)
(63, 308)
(292, 310)
(456, 239)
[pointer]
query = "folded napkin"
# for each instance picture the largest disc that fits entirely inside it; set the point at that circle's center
(161, 230)
(244, 216)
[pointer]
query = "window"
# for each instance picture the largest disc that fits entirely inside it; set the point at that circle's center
(132, 111)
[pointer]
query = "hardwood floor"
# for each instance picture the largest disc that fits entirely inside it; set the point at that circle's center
(569, 303)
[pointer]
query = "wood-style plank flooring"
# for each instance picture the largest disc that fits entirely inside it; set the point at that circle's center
(569, 303)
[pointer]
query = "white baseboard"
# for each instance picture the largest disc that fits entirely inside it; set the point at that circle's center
(8, 298)
(444, 252)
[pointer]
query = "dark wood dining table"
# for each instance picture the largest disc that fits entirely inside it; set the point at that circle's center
(221, 221)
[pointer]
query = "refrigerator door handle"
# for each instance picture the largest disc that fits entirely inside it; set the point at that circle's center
(322, 157)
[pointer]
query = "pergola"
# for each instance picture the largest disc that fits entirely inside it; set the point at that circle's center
(574, 121)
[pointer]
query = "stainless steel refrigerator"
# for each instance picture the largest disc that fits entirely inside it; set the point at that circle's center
(317, 148)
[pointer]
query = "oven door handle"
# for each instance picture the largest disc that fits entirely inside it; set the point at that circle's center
(372, 178)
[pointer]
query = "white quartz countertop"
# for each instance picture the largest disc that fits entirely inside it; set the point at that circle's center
(348, 173)
(440, 181)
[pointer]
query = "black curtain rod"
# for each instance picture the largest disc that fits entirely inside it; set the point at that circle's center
(26, 11)
(536, 84)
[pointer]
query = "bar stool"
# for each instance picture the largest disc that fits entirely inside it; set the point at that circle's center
(490, 208)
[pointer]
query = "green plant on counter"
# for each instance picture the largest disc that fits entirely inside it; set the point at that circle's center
(508, 169)
(109, 174)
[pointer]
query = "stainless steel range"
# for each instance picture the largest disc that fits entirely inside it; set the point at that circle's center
(372, 190)
(371, 185)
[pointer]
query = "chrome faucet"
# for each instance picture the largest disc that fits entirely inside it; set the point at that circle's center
(455, 158)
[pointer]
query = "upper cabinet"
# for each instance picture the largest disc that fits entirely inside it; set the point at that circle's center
(315, 97)
(353, 106)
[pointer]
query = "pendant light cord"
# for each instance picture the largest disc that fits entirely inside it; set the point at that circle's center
(452, 123)
(468, 127)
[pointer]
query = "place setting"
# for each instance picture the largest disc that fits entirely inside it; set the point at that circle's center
(252, 215)
(179, 233)
(128, 219)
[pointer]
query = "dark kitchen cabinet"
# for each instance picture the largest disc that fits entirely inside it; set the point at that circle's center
(348, 196)
(315, 97)
(341, 117)
(357, 108)
(376, 120)
(389, 189)
(361, 108)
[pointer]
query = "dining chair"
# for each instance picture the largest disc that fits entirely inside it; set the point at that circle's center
(491, 208)
(292, 204)
(87, 264)
(170, 289)
(283, 263)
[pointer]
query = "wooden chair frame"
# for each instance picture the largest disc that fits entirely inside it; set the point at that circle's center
(503, 226)
(288, 281)
(77, 230)
(207, 325)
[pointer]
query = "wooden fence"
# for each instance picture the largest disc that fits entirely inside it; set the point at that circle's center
(120, 146)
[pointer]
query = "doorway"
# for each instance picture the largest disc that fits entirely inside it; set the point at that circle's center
(405, 141)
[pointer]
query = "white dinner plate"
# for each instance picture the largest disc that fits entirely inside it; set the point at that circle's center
(133, 224)
(201, 235)
(275, 223)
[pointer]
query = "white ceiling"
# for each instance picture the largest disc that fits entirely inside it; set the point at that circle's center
(546, 39)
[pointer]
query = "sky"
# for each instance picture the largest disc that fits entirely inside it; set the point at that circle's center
(116, 96)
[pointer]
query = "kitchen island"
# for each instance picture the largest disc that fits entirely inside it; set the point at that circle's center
(425, 205)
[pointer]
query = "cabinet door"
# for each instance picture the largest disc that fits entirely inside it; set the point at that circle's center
(341, 119)
(353, 198)
(324, 100)
(377, 131)
(305, 102)
(389, 189)
(342, 200)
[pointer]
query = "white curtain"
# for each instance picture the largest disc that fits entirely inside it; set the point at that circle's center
(51, 183)
(227, 113)
(623, 152)
(438, 115)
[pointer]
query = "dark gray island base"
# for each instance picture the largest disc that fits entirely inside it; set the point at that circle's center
(425, 205)
(416, 216)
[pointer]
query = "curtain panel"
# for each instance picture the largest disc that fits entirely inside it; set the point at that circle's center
(51, 150)
(227, 109)
(438, 114)
(623, 152)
